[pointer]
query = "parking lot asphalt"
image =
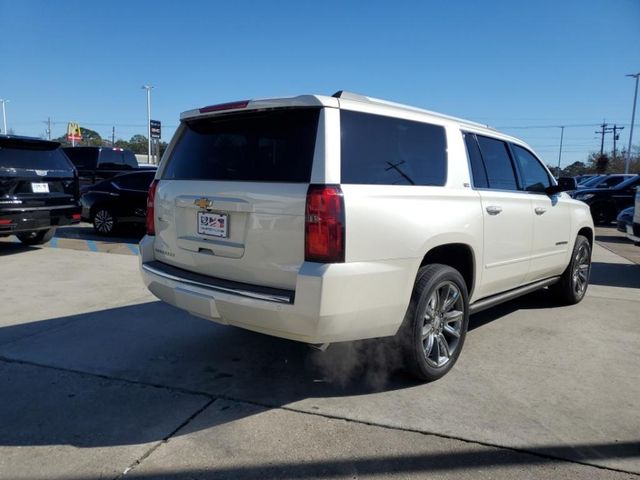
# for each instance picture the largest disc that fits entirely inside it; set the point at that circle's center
(100, 380)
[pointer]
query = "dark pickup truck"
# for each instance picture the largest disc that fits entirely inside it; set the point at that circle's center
(39, 189)
(95, 164)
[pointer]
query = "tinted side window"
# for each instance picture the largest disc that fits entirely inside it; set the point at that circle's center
(137, 181)
(478, 172)
(129, 159)
(535, 177)
(497, 161)
(380, 150)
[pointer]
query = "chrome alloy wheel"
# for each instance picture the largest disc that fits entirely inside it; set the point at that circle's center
(103, 221)
(442, 324)
(581, 268)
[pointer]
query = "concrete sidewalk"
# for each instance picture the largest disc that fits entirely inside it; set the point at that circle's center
(99, 379)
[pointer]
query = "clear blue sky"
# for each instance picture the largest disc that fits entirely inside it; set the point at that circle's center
(510, 64)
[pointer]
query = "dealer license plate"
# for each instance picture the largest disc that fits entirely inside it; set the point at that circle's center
(213, 224)
(40, 187)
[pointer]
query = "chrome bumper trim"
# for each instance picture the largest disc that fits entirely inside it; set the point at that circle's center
(233, 291)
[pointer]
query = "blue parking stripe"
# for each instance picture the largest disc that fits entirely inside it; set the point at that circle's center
(53, 243)
(133, 247)
(92, 245)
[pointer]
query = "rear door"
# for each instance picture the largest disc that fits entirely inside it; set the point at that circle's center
(132, 190)
(231, 197)
(507, 215)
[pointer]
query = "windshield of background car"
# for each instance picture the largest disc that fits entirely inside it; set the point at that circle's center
(272, 146)
(33, 157)
(379, 150)
(631, 182)
(590, 182)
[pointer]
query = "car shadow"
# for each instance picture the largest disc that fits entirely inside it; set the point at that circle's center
(615, 275)
(122, 235)
(12, 248)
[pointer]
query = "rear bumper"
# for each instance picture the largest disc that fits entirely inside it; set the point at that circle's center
(16, 220)
(331, 303)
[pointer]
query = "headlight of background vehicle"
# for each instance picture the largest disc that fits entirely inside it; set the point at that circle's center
(585, 196)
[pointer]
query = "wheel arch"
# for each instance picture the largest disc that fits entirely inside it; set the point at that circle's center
(587, 232)
(459, 256)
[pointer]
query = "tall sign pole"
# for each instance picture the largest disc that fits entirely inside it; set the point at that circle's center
(148, 89)
(633, 117)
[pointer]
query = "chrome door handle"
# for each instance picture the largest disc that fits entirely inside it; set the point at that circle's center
(540, 210)
(494, 209)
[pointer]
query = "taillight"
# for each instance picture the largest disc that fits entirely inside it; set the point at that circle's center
(151, 196)
(324, 224)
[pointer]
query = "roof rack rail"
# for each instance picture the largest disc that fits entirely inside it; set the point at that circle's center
(363, 98)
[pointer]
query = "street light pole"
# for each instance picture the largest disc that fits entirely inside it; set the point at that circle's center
(4, 116)
(148, 89)
(633, 116)
(560, 153)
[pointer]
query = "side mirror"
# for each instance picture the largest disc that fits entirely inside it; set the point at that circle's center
(565, 184)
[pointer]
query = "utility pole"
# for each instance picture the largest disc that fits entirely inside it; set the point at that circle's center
(605, 129)
(48, 122)
(633, 116)
(148, 89)
(616, 136)
(113, 136)
(4, 116)
(560, 153)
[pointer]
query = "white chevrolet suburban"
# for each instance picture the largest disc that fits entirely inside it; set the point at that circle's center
(325, 219)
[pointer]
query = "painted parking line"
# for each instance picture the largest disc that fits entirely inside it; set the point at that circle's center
(133, 247)
(92, 245)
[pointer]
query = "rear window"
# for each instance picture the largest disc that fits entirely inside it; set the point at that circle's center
(379, 150)
(33, 158)
(274, 146)
(112, 159)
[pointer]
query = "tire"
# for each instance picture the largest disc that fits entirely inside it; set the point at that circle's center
(601, 214)
(431, 344)
(37, 237)
(104, 222)
(572, 286)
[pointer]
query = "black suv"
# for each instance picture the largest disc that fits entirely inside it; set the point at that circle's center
(95, 164)
(39, 189)
(606, 203)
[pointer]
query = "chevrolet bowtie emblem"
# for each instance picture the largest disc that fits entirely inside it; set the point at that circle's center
(203, 203)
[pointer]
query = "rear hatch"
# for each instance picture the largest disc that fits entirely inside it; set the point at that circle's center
(231, 199)
(35, 174)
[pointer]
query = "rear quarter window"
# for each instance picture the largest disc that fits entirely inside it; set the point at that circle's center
(379, 150)
(272, 146)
